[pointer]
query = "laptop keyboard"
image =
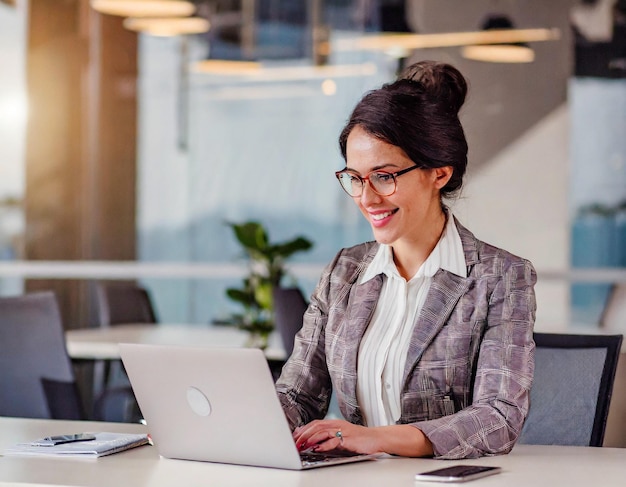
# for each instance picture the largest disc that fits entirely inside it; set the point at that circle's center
(315, 458)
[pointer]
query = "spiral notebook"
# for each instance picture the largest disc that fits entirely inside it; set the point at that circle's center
(103, 444)
(216, 405)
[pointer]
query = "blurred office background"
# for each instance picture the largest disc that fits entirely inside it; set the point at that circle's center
(118, 146)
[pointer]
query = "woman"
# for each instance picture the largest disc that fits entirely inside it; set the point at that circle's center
(426, 334)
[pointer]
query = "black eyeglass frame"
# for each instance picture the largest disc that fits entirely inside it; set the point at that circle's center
(393, 175)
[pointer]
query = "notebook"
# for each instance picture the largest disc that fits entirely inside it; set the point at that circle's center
(215, 405)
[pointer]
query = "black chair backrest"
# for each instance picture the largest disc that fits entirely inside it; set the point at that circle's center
(572, 388)
(613, 315)
(289, 308)
(63, 399)
(123, 303)
(32, 350)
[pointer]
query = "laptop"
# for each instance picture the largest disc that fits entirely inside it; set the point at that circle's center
(216, 405)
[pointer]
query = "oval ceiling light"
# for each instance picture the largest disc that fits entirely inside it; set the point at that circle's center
(226, 67)
(505, 52)
(255, 71)
(499, 53)
(144, 8)
(167, 27)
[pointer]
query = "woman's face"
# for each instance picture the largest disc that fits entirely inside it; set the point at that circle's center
(414, 210)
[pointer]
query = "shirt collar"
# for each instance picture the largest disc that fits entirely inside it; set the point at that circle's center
(448, 254)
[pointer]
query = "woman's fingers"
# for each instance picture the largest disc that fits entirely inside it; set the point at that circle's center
(321, 435)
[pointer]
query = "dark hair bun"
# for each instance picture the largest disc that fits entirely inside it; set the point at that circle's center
(441, 81)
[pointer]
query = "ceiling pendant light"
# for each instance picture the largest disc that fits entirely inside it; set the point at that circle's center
(247, 71)
(389, 42)
(506, 52)
(167, 27)
(144, 8)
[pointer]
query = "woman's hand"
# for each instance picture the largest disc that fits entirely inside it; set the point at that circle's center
(335, 434)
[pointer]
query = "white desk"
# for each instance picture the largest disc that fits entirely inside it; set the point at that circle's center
(536, 466)
(102, 343)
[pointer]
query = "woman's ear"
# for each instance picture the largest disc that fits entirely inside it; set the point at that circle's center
(442, 175)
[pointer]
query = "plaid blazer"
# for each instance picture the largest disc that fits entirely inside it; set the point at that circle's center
(470, 362)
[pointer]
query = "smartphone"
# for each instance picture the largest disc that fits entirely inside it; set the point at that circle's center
(59, 440)
(457, 473)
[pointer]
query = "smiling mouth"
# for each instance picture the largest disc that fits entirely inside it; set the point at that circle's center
(381, 216)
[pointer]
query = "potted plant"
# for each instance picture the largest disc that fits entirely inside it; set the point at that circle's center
(266, 270)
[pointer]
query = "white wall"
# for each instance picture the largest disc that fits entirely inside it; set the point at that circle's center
(518, 201)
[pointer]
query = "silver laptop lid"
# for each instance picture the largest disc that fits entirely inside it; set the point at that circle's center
(211, 404)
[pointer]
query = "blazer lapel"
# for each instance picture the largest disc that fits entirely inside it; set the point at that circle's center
(358, 314)
(445, 291)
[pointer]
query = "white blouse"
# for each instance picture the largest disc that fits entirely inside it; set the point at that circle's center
(383, 349)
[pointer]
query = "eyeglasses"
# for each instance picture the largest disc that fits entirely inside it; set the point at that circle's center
(382, 183)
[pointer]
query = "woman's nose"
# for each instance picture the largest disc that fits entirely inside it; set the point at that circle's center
(369, 195)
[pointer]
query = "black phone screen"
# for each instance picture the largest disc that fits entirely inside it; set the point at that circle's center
(60, 439)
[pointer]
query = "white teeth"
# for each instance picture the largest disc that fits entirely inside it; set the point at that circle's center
(380, 216)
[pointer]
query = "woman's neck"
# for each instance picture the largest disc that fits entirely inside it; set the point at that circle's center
(409, 255)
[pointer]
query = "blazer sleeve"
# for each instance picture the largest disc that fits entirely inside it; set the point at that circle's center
(491, 424)
(304, 386)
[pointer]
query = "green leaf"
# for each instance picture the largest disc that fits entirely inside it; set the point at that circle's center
(286, 249)
(263, 295)
(244, 297)
(251, 235)
(266, 271)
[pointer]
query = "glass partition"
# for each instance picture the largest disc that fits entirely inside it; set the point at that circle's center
(225, 148)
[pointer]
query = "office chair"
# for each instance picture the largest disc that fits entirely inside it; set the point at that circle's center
(572, 387)
(118, 303)
(37, 379)
(613, 317)
(289, 308)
